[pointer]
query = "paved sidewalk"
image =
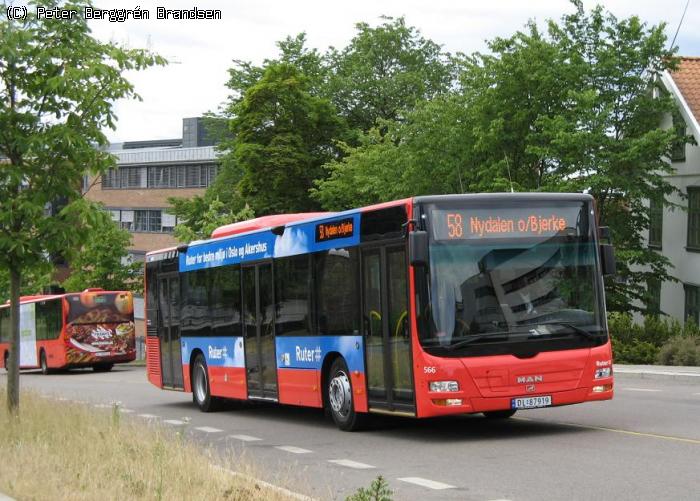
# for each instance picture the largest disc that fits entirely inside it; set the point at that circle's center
(677, 373)
(5, 498)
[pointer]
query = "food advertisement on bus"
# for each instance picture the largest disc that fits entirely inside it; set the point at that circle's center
(100, 327)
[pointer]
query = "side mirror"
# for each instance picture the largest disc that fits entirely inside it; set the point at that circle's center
(607, 259)
(604, 234)
(418, 248)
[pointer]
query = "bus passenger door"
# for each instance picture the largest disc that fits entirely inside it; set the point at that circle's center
(169, 331)
(259, 334)
(386, 330)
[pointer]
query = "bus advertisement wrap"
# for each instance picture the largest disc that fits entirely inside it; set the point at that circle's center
(298, 239)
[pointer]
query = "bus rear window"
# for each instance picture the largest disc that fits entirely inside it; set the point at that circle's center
(100, 307)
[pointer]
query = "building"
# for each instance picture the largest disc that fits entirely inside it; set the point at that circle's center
(676, 233)
(148, 173)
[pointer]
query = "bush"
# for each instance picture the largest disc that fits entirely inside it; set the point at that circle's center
(656, 340)
(680, 350)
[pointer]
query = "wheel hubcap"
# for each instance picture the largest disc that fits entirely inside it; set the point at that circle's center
(339, 394)
(200, 383)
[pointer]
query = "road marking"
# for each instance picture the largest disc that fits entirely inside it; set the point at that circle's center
(175, 422)
(351, 464)
(424, 482)
(209, 429)
(696, 393)
(124, 410)
(102, 406)
(148, 416)
(615, 430)
(245, 438)
(639, 389)
(292, 449)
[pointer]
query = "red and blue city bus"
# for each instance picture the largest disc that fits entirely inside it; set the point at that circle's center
(427, 306)
(94, 328)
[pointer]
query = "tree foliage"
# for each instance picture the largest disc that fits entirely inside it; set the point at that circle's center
(283, 135)
(57, 86)
(103, 259)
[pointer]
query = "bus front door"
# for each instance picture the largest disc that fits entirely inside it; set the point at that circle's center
(258, 314)
(169, 331)
(386, 330)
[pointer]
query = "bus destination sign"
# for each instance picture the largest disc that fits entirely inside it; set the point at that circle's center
(335, 229)
(476, 224)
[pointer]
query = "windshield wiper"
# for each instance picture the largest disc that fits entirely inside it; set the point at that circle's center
(575, 328)
(479, 337)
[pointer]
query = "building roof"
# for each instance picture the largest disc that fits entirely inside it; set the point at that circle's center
(687, 78)
(684, 84)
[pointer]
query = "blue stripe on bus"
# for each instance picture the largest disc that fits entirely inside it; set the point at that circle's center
(308, 352)
(218, 351)
(297, 239)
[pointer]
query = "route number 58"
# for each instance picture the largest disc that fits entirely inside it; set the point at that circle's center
(454, 226)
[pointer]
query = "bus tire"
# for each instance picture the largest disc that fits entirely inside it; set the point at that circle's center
(201, 391)
(43, 364)
(339, 397)
(102, 367)
(499, 414)
(6, 360)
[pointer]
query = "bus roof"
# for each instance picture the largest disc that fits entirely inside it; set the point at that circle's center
(264, 222)
(47, 297)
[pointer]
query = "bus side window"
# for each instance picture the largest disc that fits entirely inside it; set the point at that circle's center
(337, 292)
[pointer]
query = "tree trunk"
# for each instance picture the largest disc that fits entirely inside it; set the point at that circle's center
(13, 369)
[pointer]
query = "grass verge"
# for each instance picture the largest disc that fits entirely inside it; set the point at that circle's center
(60, 451)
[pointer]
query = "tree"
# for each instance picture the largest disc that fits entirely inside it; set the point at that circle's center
(283, 135)
(384, 72)
(57, 86)
(103, 260)
(575, 108)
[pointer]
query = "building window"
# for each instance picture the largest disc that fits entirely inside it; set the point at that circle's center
(144, 220)
(656, 220)
(653, 296)
(678, 151)
(147, 220)
(693, 242)
(161, 176)
(692, 301)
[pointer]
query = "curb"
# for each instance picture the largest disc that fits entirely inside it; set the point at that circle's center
(3, 497)
(657, 374)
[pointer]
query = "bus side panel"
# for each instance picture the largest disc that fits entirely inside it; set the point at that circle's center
(299, 363)
(153, 361)
(225, 364)
(55, 350)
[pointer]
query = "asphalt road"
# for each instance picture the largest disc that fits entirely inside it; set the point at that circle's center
(644, 444)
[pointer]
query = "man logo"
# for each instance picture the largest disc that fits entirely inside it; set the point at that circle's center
(529, 379)
(530, 388)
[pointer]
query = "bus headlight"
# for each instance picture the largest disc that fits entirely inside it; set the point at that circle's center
(603, 372)
(444, 386)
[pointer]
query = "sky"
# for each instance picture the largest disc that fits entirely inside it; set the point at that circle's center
(201, 51)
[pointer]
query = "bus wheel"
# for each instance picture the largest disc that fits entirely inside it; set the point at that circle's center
(201, 393)
(6, 360)
(42, 362)
(499, 414)
(102, 367)
(340, 402)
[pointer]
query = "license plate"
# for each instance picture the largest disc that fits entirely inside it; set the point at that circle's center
(531, 402)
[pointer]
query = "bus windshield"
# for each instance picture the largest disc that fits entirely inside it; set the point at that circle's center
(504, 275)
